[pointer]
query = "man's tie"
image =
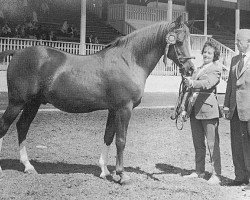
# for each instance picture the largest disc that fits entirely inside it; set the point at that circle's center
(241, 63)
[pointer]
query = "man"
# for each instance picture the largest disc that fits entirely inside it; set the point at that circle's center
(237, 108)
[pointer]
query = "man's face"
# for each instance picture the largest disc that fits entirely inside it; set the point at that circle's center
(242, 43)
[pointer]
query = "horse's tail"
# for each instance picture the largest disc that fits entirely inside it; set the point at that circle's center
(6, 53)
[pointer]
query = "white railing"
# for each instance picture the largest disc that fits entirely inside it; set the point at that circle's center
(197, 41)
(129, 28)
(70, 47)
(134, 12)
(116, 12)
(226, 53)
(144, 13)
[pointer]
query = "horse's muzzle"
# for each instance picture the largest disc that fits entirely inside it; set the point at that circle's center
(184, 59)
(192, 57)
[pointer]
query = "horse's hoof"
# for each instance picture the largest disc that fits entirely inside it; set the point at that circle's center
(104, 176)
(125, 179)
(30, 171)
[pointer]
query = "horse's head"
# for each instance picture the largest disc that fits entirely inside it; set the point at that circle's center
(178, 46)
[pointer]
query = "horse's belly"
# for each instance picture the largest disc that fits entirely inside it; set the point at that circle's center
(89, 93)
(77, 105)
(77, 100)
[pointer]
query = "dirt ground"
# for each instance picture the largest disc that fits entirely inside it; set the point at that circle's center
(65, 148)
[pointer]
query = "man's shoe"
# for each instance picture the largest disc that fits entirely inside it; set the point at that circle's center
(214, 180)
(238, 183)
(195, 175)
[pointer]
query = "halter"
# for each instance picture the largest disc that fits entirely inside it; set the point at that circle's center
(171, 39)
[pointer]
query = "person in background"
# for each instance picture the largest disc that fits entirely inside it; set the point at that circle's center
(52, 36)
(6, 31)
(90, 39)
(18, 31)
(96, 41)
(205, 113)
(64, 28)
(237, 109)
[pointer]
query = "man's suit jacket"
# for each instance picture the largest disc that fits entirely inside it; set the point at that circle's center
(204, 85)
(238, 90)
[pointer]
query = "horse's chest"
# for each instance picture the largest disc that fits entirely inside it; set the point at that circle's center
(126, 88)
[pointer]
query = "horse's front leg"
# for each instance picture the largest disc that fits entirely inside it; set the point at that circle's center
(122, 120)
(108, 139)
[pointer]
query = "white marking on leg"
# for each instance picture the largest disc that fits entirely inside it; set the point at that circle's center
(104, 160)
(25, 160)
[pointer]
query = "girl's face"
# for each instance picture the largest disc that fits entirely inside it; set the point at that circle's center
(208, 55)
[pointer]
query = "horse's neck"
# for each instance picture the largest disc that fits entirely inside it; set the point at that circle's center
(148, 57)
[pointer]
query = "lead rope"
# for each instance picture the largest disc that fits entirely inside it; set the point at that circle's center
(171, 39)
(178, 119)
(179, 122)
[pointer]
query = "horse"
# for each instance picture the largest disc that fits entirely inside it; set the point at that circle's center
(112, 79)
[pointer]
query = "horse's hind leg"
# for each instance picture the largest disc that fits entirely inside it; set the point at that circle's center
(6, 120)
(108, 139)
(23, 124)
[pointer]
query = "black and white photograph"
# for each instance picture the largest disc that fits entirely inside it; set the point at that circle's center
(124, 99)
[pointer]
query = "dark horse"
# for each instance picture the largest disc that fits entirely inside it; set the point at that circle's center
(112, 79)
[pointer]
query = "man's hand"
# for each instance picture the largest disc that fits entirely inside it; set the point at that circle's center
(188, 82)
(226, 112)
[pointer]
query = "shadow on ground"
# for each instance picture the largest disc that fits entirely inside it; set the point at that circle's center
(169, 169)
(67, 168)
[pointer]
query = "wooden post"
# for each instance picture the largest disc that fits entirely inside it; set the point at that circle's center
(125, 17)
(82, 49)
(205, 20)
(237, 22)
(125, 9)
(170, 11)
(186, 5)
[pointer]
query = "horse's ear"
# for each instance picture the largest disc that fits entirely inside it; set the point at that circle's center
(178, 22)
(189, 23)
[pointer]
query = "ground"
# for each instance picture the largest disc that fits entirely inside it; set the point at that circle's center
(65, 148)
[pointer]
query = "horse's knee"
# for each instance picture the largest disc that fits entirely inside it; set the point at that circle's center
(22, 129)
(120, 143)
(108, 138)
(21, 126)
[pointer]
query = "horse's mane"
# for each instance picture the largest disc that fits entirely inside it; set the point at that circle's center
(142, 41)
(151, 33)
